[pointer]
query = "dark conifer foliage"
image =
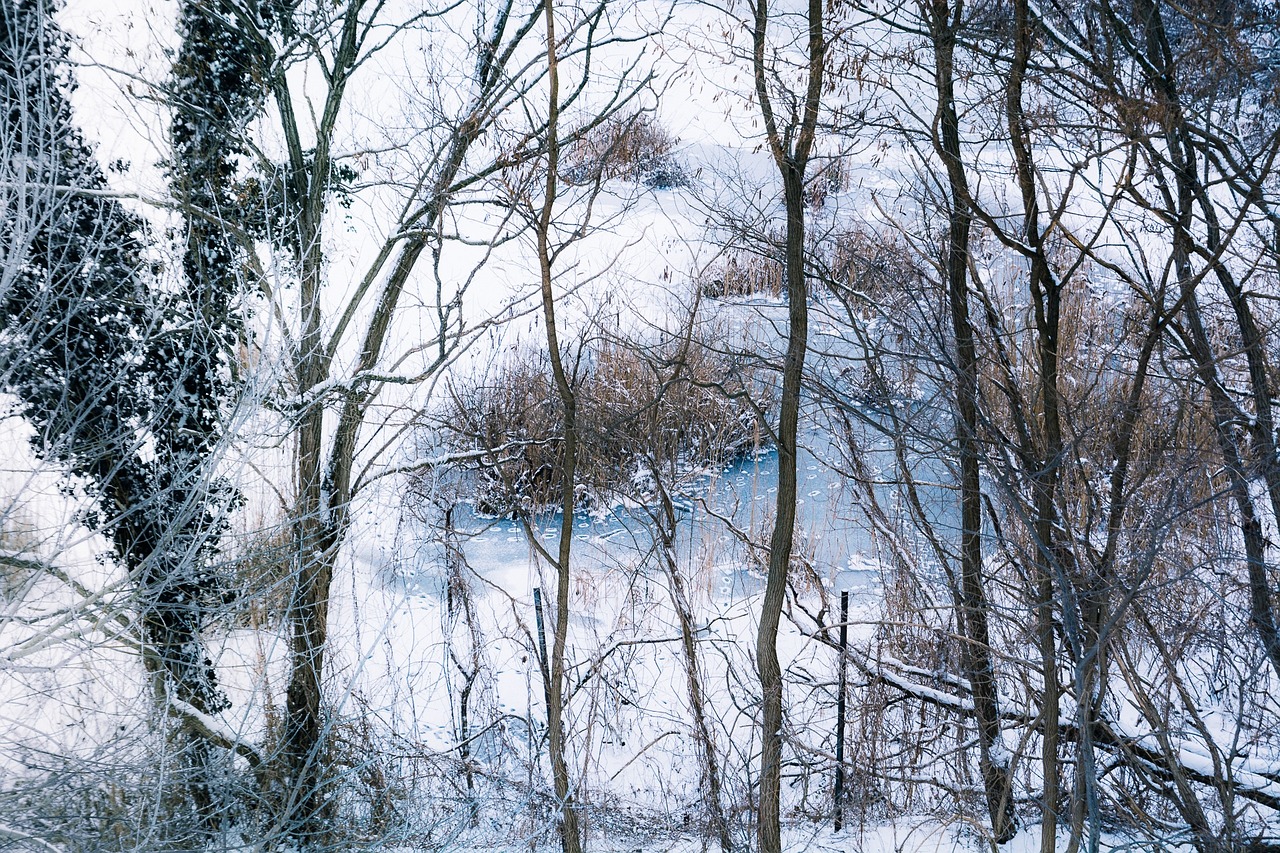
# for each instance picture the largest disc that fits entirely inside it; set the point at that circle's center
(74, 295)
(213, 97)
(121, 380)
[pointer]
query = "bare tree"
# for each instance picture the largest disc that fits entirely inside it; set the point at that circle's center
(944, 22)
(570, 832)
(790, 136)
(337, 350)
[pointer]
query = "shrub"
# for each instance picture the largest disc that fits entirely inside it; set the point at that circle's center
(633, 147)
(636, 410)
(743, 274)
(863, 265)
(514, 415)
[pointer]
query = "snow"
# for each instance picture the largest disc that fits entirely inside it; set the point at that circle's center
(399, 646)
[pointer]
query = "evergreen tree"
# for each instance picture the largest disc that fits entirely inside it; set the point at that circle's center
(213, 94)
(124, 383)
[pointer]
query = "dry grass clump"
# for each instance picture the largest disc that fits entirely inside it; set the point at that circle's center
(699, 413)
(633, 147)
(20, 561)
(852, 264)
(637, 411)
(859, 264)
(832, 179)
(260, 572)
(743, 274)
(514, 415)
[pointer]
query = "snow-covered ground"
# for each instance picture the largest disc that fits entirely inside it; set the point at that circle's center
(436, 704)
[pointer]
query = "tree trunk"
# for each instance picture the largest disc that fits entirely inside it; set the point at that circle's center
(307, 811)
(570, 833)
(781, 541)
(1046, 296)
(992, 758)
(791, 163)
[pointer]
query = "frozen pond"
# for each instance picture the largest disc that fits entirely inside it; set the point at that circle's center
(831, 524)
(717, 511)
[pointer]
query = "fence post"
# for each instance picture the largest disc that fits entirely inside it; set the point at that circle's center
(844, 642)
(542, 647)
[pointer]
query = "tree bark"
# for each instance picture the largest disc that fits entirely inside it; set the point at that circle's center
(570, 832)
(791, 158)
(1046, 294)
(944, 23)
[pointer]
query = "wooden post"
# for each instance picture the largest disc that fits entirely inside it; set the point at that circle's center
(844, 642)
(542, 647)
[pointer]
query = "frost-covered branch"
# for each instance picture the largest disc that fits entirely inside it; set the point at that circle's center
(23, 838)
(1247, 782)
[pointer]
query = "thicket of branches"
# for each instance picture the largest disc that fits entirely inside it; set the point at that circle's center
(1041, 368)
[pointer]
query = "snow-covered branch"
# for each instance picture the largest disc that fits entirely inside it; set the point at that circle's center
(214, 731)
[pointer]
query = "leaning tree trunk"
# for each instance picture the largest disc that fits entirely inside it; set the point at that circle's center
(665, 522)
